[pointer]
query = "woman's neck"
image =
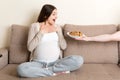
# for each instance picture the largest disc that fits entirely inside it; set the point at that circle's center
(48, 24)
(49, 27)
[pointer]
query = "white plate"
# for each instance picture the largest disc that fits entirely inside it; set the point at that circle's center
(68, 33)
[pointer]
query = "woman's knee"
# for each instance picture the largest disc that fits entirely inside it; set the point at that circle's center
(78, 59)
(21, 70)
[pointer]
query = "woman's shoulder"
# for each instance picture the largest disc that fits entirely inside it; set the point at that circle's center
(35, 25)
(59, 27)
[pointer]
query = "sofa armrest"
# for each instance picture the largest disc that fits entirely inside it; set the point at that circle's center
(3, 57)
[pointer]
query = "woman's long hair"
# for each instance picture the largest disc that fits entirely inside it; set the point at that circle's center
(45, 12)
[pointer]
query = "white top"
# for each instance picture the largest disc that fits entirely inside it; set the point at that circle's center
(48, 49)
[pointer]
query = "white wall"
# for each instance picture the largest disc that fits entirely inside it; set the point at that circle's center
(84, 12)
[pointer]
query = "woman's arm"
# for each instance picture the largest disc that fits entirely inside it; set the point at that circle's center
(102, 38)
(62, 41)
(34, 37)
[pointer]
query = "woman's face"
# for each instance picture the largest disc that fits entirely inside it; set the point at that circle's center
(52, 18)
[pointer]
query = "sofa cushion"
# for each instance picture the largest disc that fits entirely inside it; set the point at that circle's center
(9, 72)
(98, 72)
(92, 52)
(18, 44)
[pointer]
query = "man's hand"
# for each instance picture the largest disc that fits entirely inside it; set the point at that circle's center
(83, 38)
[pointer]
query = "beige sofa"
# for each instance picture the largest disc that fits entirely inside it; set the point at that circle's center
(101, 58)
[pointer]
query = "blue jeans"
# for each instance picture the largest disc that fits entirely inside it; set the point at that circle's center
(42, 69)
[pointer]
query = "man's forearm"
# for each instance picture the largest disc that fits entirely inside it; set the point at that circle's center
(101, 38)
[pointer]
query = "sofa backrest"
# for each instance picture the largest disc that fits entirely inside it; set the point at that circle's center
(18, 52)
(92, 52)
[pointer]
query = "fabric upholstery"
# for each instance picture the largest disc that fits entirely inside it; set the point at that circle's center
(92, 52)
(9, 72)
(18, 44)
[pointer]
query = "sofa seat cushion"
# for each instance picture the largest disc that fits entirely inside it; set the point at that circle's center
(92, 52)
(99, 72)
(86, 72)
(9, 72)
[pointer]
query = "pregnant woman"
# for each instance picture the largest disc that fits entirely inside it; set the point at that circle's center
(46, 42)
